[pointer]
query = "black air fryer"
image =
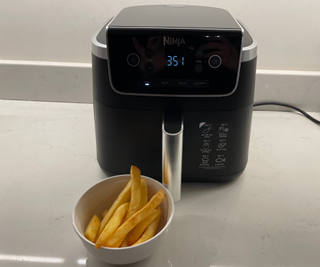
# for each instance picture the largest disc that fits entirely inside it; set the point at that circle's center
(173, 93)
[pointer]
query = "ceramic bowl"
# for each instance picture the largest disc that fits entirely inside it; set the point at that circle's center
(101, 196)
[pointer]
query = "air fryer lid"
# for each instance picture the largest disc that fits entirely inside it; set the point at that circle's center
(174, 51)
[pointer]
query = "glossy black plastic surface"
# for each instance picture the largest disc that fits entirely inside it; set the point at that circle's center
(174, 62)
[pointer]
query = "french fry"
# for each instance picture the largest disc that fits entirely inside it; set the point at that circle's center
(119, 244)
(123, 197)
(144, 193)
(150, 232)
(135, 192)
(113, 224)
(92, 228)
(125, 242)
(138, 217)
(104, 213)
(137, 232)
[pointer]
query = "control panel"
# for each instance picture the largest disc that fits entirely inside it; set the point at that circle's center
(174, 62)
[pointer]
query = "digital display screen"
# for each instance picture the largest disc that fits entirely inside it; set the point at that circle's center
(174, 62)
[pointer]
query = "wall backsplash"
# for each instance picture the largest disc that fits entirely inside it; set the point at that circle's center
(73, 83)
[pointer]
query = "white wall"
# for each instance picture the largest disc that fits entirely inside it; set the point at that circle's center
(288, 32)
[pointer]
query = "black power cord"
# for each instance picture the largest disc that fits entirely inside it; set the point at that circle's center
(288, 106)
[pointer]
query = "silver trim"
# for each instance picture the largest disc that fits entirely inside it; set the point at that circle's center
(99, 49)
(251, 51)
(175, 28)
(172, 146)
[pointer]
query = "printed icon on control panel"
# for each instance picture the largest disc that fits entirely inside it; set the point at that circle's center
(220, 160)
(221, 145)
(207, 130)
(223, 130)
(205, 159)
(205, 148)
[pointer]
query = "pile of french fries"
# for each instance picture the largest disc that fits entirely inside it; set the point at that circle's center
(131, 219)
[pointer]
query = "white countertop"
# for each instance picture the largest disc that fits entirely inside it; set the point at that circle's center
(270, 216)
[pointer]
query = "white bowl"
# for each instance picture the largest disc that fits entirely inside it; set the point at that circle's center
(99, 197)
